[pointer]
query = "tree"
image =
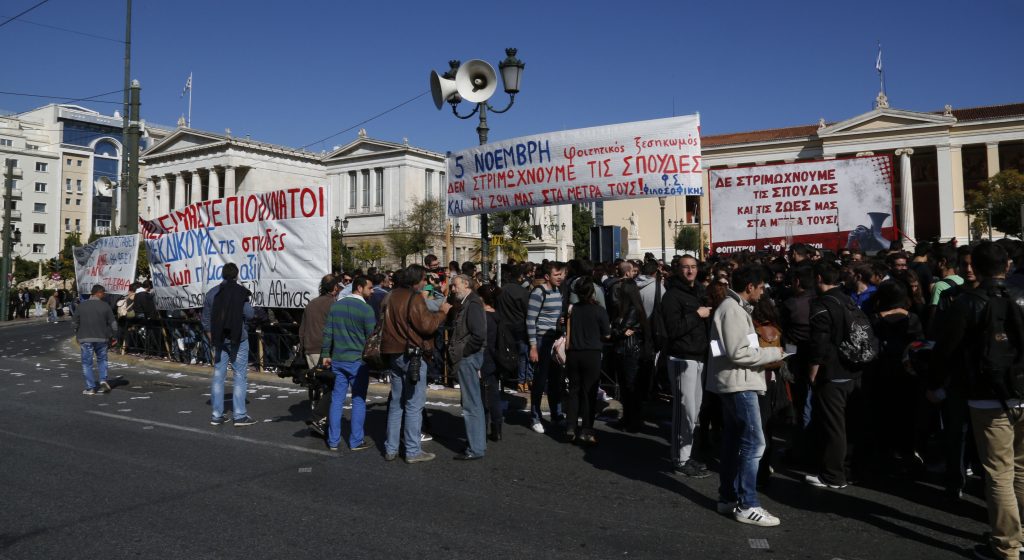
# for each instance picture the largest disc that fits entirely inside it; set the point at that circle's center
(1001, 196)
(142, 264)
(369, 254)
(341, 257)
(688, 239)
(582, 221)
(416, 231)
(516, 231)
(67, 256)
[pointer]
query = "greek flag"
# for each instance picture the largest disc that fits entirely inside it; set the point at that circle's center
(188, 82)
(878, 63)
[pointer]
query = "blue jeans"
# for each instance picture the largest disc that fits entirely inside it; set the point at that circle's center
(241, 383)
(356, 375)
(51, 316)
(742, 447)
(407, 400)
(547, 377)
(473, 413)
(88, 348)
(525, 367)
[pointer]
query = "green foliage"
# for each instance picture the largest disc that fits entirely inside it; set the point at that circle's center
(1002, 195)
(369, 254)
(688, 238)
(517, 232)
(341, 257)
(582, 221)
(416, 231)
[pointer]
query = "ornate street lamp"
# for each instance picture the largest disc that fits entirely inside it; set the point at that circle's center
(475, 82)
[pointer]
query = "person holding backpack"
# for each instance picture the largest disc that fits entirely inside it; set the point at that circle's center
(836, 364)
(979, 351)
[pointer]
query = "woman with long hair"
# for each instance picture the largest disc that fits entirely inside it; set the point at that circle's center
(490, 378)
(631, 338)
(588, 328)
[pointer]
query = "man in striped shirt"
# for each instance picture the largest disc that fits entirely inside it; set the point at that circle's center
(544, 325)
(349, 323)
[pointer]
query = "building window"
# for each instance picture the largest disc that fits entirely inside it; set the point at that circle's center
(79, 163)
(67, 184)
(39, 207)
(428, 183)
(67, 201)
(67, 224)
(38, 228)
(38, 248)
(31, 146)
(78, 185)
(102, 227)
(78, 224)
(69, 162)
(6, 142)
(378, 198)
(40, 187)
(78, 202)
(41, 167)
(366, 188)
(352, 190)
(10, 161)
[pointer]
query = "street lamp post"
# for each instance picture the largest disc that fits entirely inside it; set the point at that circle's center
(11, 235)
(474, 83)
(661, 202)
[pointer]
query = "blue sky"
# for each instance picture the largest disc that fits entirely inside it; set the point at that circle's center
(294, 72)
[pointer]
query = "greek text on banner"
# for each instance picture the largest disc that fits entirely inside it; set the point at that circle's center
(624, 161)
(108, 261)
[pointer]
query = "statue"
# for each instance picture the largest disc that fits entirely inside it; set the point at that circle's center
(634, 231)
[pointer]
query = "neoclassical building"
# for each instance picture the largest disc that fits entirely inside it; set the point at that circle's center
(939, 157)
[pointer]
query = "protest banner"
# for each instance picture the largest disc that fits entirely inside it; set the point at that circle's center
(108, 261)
(624, 161)
(828, 204)
(280, 240)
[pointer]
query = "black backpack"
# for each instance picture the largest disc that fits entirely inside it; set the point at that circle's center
(506, 355)
(859, 345)
(1001, 352)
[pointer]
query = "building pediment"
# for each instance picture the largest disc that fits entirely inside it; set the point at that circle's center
(368, 147)
(184, 139)
(884, 119)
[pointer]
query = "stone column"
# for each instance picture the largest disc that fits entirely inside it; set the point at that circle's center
(196, 192)
(992, 156)
(906, 193)
(956, 159)
(165, 196)
(151, 212)
(179, 191)
(944, 163)
(230, 188)
(214, 184)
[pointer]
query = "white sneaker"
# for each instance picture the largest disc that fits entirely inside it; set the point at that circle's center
(538, 427)
(755, 516)
(426, 437)
(817, 482)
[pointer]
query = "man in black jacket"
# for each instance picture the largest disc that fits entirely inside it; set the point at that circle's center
(512, 302)
(997, 418)
(835, 383)
(686, 330)
(466, 352)
(95, 326)
(226, 311)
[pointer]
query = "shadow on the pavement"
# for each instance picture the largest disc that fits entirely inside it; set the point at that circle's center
(894, 521)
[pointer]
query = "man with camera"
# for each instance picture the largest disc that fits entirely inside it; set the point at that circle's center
(406, 343)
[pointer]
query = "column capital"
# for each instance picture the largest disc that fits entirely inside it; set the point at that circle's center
(992, 144)
(905, 152)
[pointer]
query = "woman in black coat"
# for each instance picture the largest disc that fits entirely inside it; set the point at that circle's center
(490, 378)
(631, 341)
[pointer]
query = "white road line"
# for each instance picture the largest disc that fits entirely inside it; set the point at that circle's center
(219, 435)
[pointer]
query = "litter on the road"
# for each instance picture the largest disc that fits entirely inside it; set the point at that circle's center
(124, 410)
(760, 544)
(184, 412)
(147, 427)
(146, 397)
(305, 469)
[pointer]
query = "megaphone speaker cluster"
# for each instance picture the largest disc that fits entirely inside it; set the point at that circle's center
(475, 82)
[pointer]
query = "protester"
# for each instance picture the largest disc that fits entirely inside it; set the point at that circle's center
(349, 323)
(407, 344)
(225, 312)
(95, 325)
(588, 328)
(51, 308)
(544, 324)
(490, 373)
(631, 338)
(466, 354)
(511, 307)
(314, 319)
(686, 312)
(735, 373)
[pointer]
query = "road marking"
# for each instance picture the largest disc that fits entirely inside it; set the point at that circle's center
(305, 469)
(759, 543)
(219, 435)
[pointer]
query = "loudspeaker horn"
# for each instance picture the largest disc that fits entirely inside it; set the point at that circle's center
(441, 89)
(476, 81)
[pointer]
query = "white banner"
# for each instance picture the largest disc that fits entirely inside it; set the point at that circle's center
(108, 261)
(632, 160)
(280, 240)
(831, 203)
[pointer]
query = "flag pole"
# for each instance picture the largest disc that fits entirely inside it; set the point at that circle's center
(188, 122)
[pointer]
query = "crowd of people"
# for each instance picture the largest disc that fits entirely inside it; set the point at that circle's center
(847, 366)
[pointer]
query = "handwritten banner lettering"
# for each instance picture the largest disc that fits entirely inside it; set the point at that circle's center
(108, 261)
(623, 161)
(830, 204)
(280, 241)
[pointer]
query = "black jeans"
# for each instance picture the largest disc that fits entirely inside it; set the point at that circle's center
(632, 385)
(492, 395)
(583, 367)
(832, 403)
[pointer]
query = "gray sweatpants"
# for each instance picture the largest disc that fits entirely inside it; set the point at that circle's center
(687, 394)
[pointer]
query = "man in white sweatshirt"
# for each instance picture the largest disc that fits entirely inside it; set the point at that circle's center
(736, 374)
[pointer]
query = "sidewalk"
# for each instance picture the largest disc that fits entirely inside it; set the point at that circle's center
(29, 321)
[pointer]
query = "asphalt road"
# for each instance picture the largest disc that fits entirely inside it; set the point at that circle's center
(139, 472)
